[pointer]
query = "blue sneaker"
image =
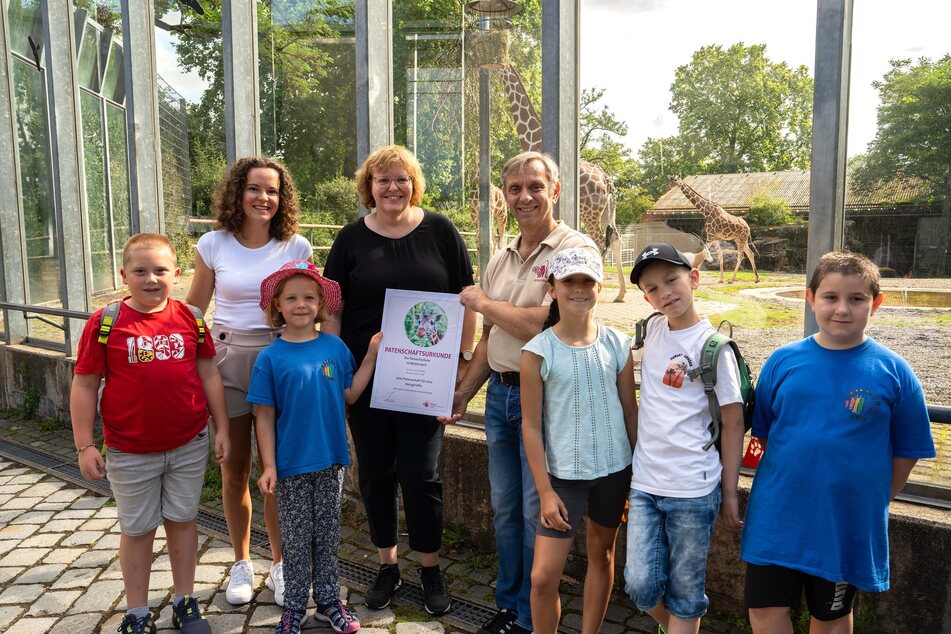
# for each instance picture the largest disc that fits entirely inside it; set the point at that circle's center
(141, 625)
(339, 617)
(291, 622)
(186, 616)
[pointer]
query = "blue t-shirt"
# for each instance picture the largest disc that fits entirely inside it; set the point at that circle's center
(585, 436)
(834, 420)
(304, 382)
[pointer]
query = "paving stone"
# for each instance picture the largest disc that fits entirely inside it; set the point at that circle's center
(204, 592)
(54, 507)
(33, 517)
(9, 573)
(30, 477)
(41, 540)
(112, 623)
(44, 573)
(18, 531)
(8, 515)
(420, 628)
(98, 596)
(8, 613)
(77, 623)
(76, 578)
(7, 545)
(40, 625)
(226, 623)
(98, 525)
(63, 555)
(66, 495)
(114, 571)
(74, 514)
(23, 557)
(265, 615)
(154, 599)
(611, 628)
(61, 525)
(641, 623)
(53, 603)
(218, 554)
(82, 538)
(89, 502)
(21, 594)
(160, 579)
(374, 618)
(21, 503)
(211, 574)
(44, 489)
(109, 542)
(94, 559)
(220, 604)
(13, 489)
(107, 512)
(479, 592)
(617, 613)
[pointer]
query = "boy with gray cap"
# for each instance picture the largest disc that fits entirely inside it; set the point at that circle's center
(677, 485)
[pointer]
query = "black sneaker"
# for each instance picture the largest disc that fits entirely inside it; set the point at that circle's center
(503, 622)
(385, 585)
(141, 625)
(435, 594)
(187, 617)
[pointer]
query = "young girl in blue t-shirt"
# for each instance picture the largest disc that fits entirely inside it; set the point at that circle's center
(577, 384)
(301, 384)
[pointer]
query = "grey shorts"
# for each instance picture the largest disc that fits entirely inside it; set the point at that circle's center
(152, 487)
(601, 499)
(236, 352)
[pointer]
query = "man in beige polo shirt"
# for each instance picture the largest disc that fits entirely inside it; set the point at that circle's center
(514, 304)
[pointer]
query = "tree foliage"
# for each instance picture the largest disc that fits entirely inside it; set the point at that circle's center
(770, 211)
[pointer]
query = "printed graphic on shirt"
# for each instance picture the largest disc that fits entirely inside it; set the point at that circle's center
(541, 271)
(329, 370)
(144, 349)
(859, 401)
(425, 324)
(676, 371)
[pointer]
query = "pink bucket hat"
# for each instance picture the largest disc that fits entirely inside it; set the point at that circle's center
(331, 290)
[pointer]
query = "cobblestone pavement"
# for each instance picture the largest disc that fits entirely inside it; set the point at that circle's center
(59, 568)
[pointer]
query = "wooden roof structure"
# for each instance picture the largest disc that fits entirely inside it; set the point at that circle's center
(734, 192)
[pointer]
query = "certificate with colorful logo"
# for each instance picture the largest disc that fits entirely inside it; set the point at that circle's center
(419, 355)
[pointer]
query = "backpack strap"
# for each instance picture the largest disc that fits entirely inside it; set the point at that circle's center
(199, 321)
(707, 371)
(107, 319)
(640, 331)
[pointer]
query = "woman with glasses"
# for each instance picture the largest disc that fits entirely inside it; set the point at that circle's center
(397, 245)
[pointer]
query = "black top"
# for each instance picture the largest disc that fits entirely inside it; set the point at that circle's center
(431, 258)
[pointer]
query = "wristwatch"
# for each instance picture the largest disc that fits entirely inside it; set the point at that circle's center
(467, 355)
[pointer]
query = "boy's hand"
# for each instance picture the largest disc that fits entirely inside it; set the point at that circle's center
(730, 511)
(554, 513)
(268, 481)
(222, 447)
(374, 345)
(91, 464)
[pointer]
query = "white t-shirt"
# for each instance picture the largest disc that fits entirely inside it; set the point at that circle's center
(674, 416)
(239, 272)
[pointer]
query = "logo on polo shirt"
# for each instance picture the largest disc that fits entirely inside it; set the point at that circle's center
(541, 271)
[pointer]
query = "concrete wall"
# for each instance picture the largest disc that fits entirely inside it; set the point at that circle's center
(920, 537)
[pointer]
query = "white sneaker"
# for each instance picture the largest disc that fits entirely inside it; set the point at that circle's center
(275, 581)
(241, 585)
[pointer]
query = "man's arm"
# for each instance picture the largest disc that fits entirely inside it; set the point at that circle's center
(476, 375)
(521, 323)
(731, 448)
(901, 469)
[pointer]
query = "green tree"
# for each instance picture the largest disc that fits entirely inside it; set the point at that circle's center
(770, 211)
(743, 111)
(913, 140)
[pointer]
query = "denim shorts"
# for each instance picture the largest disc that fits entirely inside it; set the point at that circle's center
(667, 544)
(150, 487)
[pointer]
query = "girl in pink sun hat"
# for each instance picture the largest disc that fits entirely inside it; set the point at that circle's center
(301, 385)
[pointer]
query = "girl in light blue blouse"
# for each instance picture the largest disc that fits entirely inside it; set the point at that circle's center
(577, 388)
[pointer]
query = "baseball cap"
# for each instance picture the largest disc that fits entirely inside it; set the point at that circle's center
(576, 260)
(330, 289)
(662, 252)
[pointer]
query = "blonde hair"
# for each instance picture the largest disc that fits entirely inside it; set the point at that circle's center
(846, 263)
(382, 160)
(147, 241)
(273, 316)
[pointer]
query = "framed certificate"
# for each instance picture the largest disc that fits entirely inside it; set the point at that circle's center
(418, 358)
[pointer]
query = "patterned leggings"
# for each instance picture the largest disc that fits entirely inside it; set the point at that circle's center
(308, 506)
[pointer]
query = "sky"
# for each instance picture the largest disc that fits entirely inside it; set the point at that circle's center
(631, 48)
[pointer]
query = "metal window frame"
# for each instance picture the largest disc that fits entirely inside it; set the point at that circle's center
(374, 69)
(239, 30)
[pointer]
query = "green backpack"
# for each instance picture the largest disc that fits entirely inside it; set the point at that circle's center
(707, 371)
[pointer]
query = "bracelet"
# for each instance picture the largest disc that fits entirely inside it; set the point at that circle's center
(84, 448)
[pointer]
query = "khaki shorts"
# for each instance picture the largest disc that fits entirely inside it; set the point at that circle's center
(152, 487)
(236, 352)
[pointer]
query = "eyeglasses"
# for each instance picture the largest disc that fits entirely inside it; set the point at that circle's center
(385, 182)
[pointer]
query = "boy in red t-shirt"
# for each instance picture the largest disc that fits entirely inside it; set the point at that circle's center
(161, 383)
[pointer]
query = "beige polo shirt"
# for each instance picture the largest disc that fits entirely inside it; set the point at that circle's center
(521, 282)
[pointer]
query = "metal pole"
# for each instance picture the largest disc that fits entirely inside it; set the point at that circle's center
(830, 109)
(485, 172)
(374, 68)
(240, 47)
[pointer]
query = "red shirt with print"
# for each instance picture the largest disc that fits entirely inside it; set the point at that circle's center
(153, 399)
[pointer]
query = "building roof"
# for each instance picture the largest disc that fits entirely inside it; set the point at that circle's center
(734, 192)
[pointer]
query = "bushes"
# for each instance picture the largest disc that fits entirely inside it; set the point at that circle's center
(770, 211)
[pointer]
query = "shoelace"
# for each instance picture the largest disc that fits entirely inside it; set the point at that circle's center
(339, 615)
(187, 610)
(437, 582)
(287, 620)
(386, 579)
(136, 622)
(240, 574)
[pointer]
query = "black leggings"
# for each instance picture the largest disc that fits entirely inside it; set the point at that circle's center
(394, 448)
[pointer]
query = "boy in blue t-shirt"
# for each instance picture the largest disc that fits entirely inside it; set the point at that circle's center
(845, 420)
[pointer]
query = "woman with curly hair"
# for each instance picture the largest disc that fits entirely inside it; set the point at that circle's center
(256, 214)
(402, 246)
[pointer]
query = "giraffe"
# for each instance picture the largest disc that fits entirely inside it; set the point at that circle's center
(596, 194)
(497, 209)
(719, 225)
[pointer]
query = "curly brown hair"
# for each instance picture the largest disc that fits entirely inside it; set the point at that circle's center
(226, 202)
(380, 161)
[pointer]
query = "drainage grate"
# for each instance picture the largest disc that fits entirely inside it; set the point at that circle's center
(465, 614)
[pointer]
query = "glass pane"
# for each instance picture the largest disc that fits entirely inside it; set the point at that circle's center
(113, 84)
(100, 246)
(191, 115)
(118, 180)
(88, 65)
(25, 23)
(308, 105)
(43, 284)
